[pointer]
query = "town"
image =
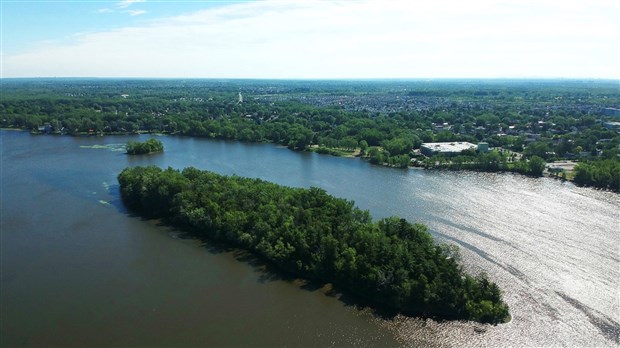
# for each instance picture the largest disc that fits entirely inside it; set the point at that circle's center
(571, 125)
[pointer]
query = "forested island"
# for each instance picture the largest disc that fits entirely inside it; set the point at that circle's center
(146, 147)
(308, 233)
(384, 121)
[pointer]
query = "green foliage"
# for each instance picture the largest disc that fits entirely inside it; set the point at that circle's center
(536, 166)
(544, 118)
(363, 145)
(299, 137)
(538, 148)
(309, 233)
(603, 173)
(400, 161)
(493, 161)
(398, 146)
(140, 148)
(381, 156)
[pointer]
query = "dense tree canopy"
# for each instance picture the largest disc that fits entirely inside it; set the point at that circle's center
(307, 232)
(604, 173)
(141, 148)
(493, 161)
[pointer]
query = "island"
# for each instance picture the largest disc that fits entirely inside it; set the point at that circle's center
(308, 233)
(146, 147)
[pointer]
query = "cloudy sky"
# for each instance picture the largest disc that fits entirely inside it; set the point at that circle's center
(311, 39)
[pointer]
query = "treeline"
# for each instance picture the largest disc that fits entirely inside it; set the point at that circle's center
(378, 155)
(493, 161)
(309, 233)
(564, 118)
(140, 148)
(603, 173)
(385, 120)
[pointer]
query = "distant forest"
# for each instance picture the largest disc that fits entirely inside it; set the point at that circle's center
(383, 120)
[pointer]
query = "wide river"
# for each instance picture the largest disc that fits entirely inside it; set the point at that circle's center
(78, 270)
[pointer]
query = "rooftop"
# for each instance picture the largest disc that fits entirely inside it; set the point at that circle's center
(449, 146)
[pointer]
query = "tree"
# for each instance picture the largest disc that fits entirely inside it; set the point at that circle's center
(536, 166)
(537, 148)
(299, 137)
(150, 146)
(363, 145)
(309, 233)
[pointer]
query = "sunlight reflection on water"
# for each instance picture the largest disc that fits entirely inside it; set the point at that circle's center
(552, 247)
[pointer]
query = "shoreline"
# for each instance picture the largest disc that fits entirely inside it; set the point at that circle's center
(355, 154)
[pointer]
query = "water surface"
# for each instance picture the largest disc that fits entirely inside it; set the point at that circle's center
(77, 269)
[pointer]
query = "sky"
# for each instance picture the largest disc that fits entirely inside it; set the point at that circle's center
(311, 39)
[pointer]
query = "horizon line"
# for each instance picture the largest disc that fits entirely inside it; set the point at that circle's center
(305, 78)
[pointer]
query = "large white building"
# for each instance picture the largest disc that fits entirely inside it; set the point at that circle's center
(449, 148)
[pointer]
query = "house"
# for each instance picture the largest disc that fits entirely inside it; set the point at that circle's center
(612, 125)
(611, 112)
(46, 128)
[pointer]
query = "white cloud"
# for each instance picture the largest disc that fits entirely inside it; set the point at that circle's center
(127, 3)
(123, 5)
(135, 12)
(320, 39)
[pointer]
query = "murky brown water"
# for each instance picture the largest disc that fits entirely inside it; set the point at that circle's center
(77, 270)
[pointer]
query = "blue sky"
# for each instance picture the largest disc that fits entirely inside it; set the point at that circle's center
(312, 39)
(28, 22)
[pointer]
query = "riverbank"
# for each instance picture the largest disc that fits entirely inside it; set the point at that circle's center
(563, 170)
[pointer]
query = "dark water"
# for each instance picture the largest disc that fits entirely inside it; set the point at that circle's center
(77, 270)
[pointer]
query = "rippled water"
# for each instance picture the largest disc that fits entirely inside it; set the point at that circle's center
(77, 270)
(552, 247)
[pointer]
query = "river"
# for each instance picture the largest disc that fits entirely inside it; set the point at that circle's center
(78, 270)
